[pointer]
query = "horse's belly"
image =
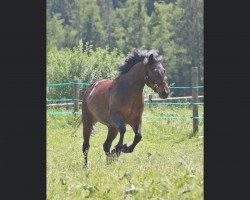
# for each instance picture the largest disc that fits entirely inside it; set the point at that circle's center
(131, 115)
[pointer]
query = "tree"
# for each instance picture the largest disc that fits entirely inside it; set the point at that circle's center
(162, 28)
(106, 9)
(150, 7)
(130, 26)
(174, 27)
(175, 32)
(118, 3)
(55, 32)
(86, 20)
(60, 6)
(191, 33)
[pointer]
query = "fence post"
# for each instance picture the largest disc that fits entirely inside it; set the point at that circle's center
(150, 98)
(195, 99)
(75, 96)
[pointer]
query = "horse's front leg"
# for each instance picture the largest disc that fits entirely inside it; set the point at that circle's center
(137, 130)
(118, 122)
(112, 133)
(119, 146)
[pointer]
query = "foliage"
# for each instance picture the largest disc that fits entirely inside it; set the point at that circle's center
(63, 7)
(174, 27)
(189, 35)
(81, 64)
(166, 164)
(87, 21)
(55, 32)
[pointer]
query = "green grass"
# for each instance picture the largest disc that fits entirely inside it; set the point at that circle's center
(166, 164)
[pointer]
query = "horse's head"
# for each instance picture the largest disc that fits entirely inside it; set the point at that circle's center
(154, 76)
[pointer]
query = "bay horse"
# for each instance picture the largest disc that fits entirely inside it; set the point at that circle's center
(116, 103)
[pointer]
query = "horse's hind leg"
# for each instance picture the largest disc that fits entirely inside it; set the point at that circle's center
(87, 128)
(112, 133)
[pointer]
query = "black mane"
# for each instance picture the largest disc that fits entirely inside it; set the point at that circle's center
(137, 56)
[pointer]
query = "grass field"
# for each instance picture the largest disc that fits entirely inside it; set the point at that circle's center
(166, 164)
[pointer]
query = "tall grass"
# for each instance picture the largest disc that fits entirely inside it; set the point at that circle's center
(166, 164)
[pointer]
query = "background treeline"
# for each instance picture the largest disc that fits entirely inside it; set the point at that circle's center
(86, 39)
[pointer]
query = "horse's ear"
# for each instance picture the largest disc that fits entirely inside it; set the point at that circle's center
(151, 58)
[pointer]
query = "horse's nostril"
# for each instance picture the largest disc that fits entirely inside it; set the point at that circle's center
(164, 93)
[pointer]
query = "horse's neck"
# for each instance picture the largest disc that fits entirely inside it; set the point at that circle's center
(134, 79)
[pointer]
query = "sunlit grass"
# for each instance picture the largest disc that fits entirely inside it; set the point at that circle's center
(166, 164)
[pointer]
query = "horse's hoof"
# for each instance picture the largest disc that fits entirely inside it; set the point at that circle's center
(126, 149)
(113, 152)
(117, 150)
(118, 153)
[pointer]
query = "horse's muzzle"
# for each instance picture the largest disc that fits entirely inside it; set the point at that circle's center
(163, 94)
(163, 91)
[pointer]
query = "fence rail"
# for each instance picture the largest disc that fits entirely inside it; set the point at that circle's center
(147, 101)
(187, 98)
(190, 100)
(87, 84)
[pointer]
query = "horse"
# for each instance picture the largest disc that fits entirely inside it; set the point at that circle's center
(120, 102)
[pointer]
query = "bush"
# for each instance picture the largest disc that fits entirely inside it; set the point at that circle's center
(81, 64)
